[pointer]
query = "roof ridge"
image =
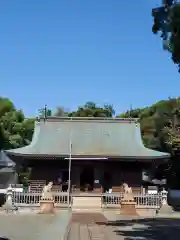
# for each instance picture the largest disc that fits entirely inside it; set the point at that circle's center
(96, 119)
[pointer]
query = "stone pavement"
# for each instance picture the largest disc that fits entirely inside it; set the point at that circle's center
(107, 225)
(90, 226)
(145, 228)
(91, 232)
(34, 226)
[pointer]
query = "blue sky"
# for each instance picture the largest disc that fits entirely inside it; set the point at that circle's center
(67, 52)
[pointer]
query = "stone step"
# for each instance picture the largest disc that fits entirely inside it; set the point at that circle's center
(86, 202)
(85, 210)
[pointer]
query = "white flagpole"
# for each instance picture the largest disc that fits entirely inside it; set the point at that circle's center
(70, 158)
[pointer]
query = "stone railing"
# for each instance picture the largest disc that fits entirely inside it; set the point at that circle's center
(108, 200)
(33, 199)
(154, 201)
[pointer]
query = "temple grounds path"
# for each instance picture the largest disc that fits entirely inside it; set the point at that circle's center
(162, 227)
(88, 226)
(33, 226)
(110, 226)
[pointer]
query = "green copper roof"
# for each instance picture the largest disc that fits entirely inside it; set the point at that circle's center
(93, 137)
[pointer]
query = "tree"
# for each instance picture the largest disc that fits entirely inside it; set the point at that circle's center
(133, 113)
(90, 109)
(6, 106)
(61, 112)
(167, 22)
(109, 109)
(160, 127)
(15, 130)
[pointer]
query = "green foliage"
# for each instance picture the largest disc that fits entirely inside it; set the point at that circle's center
(60, 112)
(15, 130)
(158, 124)
(90, 109)
(167, 23)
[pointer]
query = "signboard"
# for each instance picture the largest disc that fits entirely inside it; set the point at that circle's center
(96, 181)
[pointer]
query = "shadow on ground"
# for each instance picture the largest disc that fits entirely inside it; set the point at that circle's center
(147, 228)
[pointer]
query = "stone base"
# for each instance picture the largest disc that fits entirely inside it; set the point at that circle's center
(128, 208)
(165, 209)
(46, 206)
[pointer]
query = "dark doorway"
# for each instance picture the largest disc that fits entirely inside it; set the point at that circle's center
(107, 181)
(87, 178)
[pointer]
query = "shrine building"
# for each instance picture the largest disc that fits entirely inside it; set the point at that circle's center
(104, 153)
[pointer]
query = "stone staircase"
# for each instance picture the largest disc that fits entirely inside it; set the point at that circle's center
(85, 203)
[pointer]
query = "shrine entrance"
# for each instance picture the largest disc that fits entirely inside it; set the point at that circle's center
(87, 178)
